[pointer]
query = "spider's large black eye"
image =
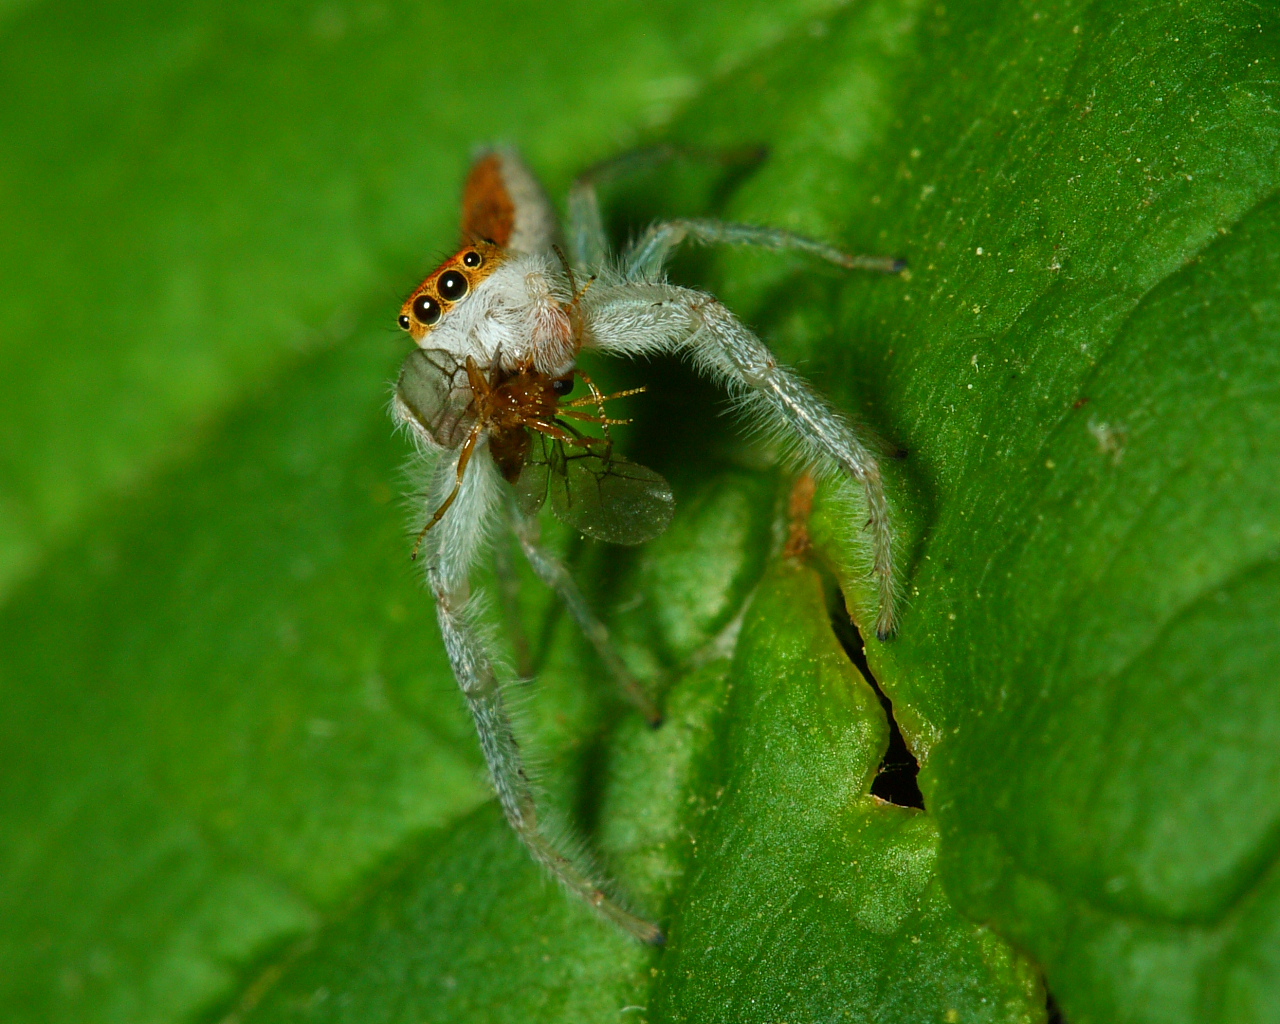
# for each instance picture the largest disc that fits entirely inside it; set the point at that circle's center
(472, 259)
(426, 309)
(452, 285)
(404, 321)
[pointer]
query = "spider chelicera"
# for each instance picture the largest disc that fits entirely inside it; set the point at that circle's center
(499, 327)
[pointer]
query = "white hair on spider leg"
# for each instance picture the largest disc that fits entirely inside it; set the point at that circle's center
(644, 317)
(456, 542)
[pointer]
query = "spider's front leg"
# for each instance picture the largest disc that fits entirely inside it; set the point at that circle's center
(635, 318)
(451, 549)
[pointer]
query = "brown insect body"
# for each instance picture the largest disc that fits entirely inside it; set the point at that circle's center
(511, 405)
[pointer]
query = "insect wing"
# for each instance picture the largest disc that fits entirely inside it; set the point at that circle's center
(531, 487)
(608, 497)
(433, 395)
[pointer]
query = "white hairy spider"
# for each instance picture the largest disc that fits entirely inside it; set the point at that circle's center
(499, 327)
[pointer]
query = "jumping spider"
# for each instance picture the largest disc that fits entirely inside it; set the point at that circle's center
(499, 327)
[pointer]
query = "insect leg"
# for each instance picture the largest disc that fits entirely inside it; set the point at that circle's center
(599, 399)
(464, 457)
(555, 574)
(648, 254)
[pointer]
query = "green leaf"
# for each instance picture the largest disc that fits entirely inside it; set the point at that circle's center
(808, 898)
(223, 710)
(236, 775)
(469, 930)
(1083, 369)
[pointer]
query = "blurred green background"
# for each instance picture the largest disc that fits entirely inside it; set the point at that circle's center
(236, 781)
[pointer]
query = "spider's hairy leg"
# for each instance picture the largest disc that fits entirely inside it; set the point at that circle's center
(464, 456)
(473, 669)
(455, 543)
(635, 319)
(451, 551)
(555, 574)
(509, 600)
(646, 256)
(588, 244)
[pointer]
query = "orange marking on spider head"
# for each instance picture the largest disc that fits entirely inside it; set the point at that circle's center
(447, 285)
(488, 209)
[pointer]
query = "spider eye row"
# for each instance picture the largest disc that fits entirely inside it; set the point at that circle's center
(451, 286)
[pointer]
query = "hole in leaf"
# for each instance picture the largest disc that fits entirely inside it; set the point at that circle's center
(895, 782)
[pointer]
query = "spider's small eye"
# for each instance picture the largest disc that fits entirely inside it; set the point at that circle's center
(562, 386)
(426, 309)
(472, 259)
(404, 321)
(452, 285)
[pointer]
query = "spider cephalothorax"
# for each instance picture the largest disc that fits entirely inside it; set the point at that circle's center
(499, 327)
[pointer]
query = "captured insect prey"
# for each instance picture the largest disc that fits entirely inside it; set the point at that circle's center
(594, 490)
(488, 394)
